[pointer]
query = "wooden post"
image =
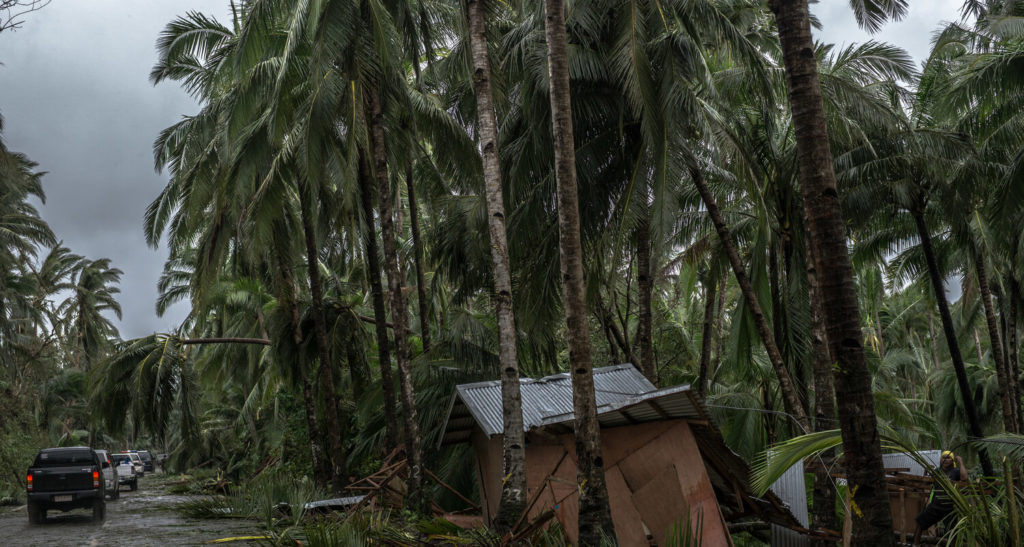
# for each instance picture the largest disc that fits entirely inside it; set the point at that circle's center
(900, 531)
(848, 521)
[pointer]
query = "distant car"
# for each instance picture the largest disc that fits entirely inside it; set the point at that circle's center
(140, 468)
(113, 485)
(63, 479)
(147, 460)
(125, 470)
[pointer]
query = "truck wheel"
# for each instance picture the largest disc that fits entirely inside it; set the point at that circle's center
(134, 485)
(36, 515)
(99, 509)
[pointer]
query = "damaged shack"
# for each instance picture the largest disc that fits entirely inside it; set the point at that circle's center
(665, 461)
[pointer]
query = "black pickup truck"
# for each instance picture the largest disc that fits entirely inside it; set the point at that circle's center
(63, 479)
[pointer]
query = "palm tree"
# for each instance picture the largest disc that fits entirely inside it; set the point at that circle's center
(513, 490)
(22, 232)
(828, 237)
(594, 520)
(93, 294)
(193, 49)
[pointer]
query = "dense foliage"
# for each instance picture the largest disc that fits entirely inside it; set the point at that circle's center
(325, 215)
(56, 309)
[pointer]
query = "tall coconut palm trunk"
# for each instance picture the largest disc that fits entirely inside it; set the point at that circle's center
(380, 315)
(707, 335)
(973, 422)
(419, 262)
(595, 522)
(645, 289)
(286, 297)
(513, 489)
(415, 499)
(790, 396)
(1011, 350)
(327, 390)
(1006, 391)
(824, 514)
(855, 402)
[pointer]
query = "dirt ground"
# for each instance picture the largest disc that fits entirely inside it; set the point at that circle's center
(143, 517)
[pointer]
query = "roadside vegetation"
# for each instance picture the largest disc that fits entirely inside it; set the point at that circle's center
(373, 205)
(56, 313)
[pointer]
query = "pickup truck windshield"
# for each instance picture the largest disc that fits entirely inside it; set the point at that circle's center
(63, 458)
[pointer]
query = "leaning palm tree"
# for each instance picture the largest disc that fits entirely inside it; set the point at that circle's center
(200, 207)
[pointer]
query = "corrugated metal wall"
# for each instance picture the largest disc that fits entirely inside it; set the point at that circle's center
(792, 490)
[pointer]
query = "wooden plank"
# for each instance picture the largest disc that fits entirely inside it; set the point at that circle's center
(619, 442)
(657, 408)
(539, 489)
(444, 485)
(674, 496)
(627, 520)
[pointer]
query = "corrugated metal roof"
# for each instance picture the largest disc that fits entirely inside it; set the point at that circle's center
(624, 396)
(905, 460)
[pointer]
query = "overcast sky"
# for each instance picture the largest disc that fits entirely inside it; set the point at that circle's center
(76, 98)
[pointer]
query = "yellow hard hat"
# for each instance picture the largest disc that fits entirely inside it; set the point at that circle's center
(949, 453)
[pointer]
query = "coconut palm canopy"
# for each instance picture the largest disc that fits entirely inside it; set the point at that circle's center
(376, 201)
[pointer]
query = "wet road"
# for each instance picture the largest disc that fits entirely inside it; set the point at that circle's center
(143, 517)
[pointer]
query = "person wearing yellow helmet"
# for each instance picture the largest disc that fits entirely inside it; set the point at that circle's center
(940, 505)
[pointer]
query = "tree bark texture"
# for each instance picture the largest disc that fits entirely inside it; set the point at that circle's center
(613, 328)
(595, 522)
(380, 315)
(1011, 350)
(645, 286)
(286, 295)
(320, 336)
(420, 263)
(358, 369)
(415, 500)
(824, 514)
(973, 423)
(789, 394)
(719, 356)
(1010, 419)
(872, 521)
(513, 488)
(706, 335)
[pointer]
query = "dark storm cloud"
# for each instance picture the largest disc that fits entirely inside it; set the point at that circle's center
(76, 98)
